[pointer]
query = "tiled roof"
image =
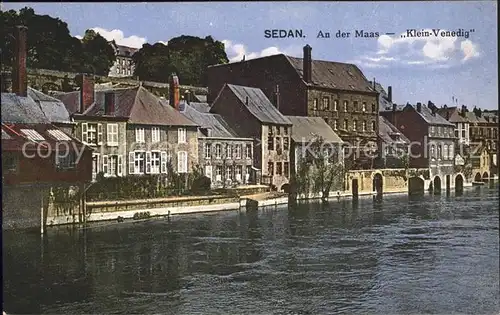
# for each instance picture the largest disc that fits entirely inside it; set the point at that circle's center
(386, 131)
(452, 114)
(427, 115)
(473, 119)
(258, 104)
(52, 107)
(19, 109)
(214, 122)
(337, 75)
(136, 104)
(201, 107)
(201, 98)
(305, 129)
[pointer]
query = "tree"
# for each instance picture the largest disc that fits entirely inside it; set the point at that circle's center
(99, 56)
(188, 56)
(50, 45)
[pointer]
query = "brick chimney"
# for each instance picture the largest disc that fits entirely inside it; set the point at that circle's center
(87, 91)
(19, 75)
(174, 91)
(389, 93)
(419, 107)
(307, 64)
(187, 96)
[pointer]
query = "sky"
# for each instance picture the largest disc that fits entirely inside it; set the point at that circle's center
(437, 68)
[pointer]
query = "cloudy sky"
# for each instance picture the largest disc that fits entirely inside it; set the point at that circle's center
(419, 69)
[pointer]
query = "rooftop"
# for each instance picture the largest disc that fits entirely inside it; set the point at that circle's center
(306, 129)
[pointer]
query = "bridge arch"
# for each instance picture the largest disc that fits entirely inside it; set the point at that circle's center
(477, 177)
(378, 182)
(416, 185)
(459, 183)
(436, 184)
(485, 177)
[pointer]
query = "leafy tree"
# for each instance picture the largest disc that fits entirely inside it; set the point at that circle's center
(188, 56)
(50, 45)
(98, 53)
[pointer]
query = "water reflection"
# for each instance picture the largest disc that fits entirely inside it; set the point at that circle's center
(370, 255)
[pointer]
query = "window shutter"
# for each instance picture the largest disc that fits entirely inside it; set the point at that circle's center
(105, 164)
(120, 165)
(84, 132)
(179, 162)
(131, 163)
(148, 162)
(109, 129)
(164, 162)
(99, 134)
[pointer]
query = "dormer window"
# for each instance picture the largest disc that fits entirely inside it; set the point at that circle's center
(109, 103)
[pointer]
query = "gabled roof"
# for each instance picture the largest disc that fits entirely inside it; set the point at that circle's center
(473, 119)
(386, 130)
(428, 117)
(305, 129)
(135, 104)
(383, 98)
(219, 128)
(336, 75)
(452, 114)
(123, 51)
(52, 107)
(20, 109)
(258, 104)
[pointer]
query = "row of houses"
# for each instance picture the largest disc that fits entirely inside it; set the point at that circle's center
(258, 116)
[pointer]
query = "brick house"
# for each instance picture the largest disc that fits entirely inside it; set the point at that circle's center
(131, 130)
(250, 113)
(434, 135)
(337, 92)
(224, 156)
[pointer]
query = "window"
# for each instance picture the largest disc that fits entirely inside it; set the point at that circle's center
(286, 142)
(285, 130)
(208, 171)
(336, 105)
(248, 171)
(456, 133)
(218, 173)
(238, 172)
(278, 130)
(451, 153)
(112, 135)
(495, 133)
(181, 135)
(279, 170)
(248, 151)
(164, 162)
(278, 143)
(218, 151)
(335, 124)
(229, 151)
(139, 135)
(363, 128)
(155, 134)
(270, 168)
(139, 162)
(354, 125)
(433, 151)
(286, 169)
(345, 105)
(155, 162)
(182, 162)
(66, 161)
(374, 108)
(315, 104)
(95, 164)
(489, 132)
(439, 152)
(270, 140)
(445, 152)
(439, 130)
(363, 107)
(355, 106)
(237, 151)
(112, 164)
(229, 172)
(345, 124)
(207, 148)
(92, 133)
(432, 130)
(373, 126)
(463, 133)
(326, 103)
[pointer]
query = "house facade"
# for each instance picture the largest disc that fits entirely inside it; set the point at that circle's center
(458, 117)
(393, 146)
(124, 64)
(337, 92)
(132, 131)
(225, 157)
(432, 137)
(250, 113)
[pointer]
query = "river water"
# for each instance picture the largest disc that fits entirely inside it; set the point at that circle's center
(428, 254)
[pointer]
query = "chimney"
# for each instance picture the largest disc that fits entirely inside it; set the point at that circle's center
(419, 107)
(187, 96)
(87, 92)
(277, 97)
(19, 78)
(307, 64)
(374, 84)
(389, 93)
(464, 109)
(174, 91)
